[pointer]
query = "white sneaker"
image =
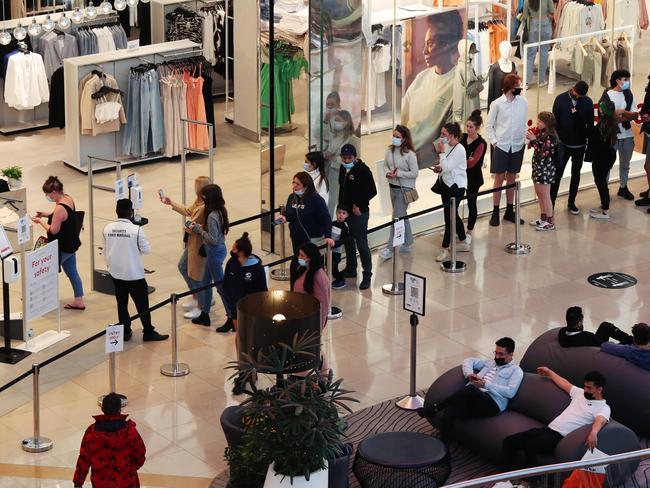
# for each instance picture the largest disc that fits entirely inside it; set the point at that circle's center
(190, 304)
(192, 314)
(443, 255)
(537, 222)
(545, 226)
(464, 246)
(599, 215)
(386, 254)
(595, 210)
(405, 249)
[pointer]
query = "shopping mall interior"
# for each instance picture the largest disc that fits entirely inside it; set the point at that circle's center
(185, 90)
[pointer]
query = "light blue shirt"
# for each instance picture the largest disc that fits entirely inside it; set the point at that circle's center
(506, 382)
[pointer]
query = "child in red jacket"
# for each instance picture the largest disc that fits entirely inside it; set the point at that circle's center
(112, 447)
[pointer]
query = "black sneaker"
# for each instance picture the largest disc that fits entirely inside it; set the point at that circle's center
(154, 336)
(642, 202)
(227, 327)
(426, 412)
(510, 216)
(645, 194)
(127, 335)
(573, 209)
(203, 319)
(494, 220)
(365, 282)
(338, 284)
(349, 274)
(625, 193)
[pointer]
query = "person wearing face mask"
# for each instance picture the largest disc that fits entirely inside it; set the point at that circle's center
(342, 133)
(486, 393)
(332, 105)
(401, 169)
(625, 110)
(315, 166)
(357, 188)
(61, 226)
(307, 214)
(574, 117)
(587, 407)
(574, 335)
(506, 131)
(244, 275)
(453, 173)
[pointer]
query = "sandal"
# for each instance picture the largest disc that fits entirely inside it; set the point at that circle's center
(69, 306)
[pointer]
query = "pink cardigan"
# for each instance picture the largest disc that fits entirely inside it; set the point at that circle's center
(321, 292)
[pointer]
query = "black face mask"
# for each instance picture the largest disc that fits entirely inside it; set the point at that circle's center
(500, 361)
(234, 254)
(516, 91)
(589, 396)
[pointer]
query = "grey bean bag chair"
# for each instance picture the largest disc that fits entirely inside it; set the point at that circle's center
(536, 404)
(628, 386)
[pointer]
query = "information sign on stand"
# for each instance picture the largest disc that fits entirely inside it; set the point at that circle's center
(399, 230)
(415, 288)
(5, 245)
(114, 339)
(23, 230)
(42, 281)
(120, 189)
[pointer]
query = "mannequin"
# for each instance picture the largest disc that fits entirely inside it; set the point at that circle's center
(498, 71)
(467, 84)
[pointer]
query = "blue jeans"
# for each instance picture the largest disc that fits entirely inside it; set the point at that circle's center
(69, 265)
(152, 135)
(539, 31)
(131, 137)
(216, 256)
(204, 297)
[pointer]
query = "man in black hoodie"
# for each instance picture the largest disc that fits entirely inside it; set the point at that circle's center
(574, 116)
(357, 189)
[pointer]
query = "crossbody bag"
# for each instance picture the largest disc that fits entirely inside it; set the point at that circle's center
(410, 195)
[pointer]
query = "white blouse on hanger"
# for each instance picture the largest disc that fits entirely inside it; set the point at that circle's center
(26, 81)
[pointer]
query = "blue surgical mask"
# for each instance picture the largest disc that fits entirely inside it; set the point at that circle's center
(625, 85)
(49, 198)
(397, 141)
(338, 126)
(307, 167)
(348, 165)
(302, 262)
(299, 192)
(444, 140)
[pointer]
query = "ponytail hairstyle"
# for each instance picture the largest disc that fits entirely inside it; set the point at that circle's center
(315, 263)
(52, 184)
(244, 245)
(454, 129)
(476, 119)
(317, 159)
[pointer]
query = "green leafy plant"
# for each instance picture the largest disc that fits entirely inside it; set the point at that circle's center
(294, 423)
(15, 172)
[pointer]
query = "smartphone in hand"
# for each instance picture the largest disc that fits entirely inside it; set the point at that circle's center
(161, 194)
(189, 224)
(278, 222)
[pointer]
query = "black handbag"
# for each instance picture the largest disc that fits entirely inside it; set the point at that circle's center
(437, 186)
(202, 252)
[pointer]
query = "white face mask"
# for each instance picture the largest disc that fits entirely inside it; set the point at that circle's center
(307, 167)
(331, 110)
(338, 125)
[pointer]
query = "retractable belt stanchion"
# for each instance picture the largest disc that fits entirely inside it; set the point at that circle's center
(412, 401)
(175, 368)
(394, 287)
(335, 312)
(453, 266)
(112, 380)
(517, 247)
(282, 274)
(37, 443)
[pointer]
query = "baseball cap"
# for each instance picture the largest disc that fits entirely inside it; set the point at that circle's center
(349, 150)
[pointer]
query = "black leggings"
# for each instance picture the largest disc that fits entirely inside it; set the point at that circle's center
(472, 211)
(600, 169)
(447, 193)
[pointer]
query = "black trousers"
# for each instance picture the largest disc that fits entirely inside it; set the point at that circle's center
(531, 442)
(466, 402)
(577, 155)
(600, 169)
(472, 211)
(607, 331)
(447, 194)
(138, 290)
(336, 260)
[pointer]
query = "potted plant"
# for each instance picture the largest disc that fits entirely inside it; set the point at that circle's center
(13, 175)
(291, 428)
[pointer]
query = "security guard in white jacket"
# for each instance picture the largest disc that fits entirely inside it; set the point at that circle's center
(124, 243)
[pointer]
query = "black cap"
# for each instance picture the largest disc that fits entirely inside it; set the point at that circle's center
(349, 150)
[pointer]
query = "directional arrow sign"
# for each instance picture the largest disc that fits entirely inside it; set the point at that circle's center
(114, 338)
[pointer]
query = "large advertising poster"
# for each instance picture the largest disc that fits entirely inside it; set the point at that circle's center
(431, 59)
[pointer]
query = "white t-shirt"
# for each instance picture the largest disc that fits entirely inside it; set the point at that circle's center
(580, 412)
(618, 98)
(426, 107)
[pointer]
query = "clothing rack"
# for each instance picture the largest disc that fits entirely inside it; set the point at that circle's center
(476, 4)
(78, 147)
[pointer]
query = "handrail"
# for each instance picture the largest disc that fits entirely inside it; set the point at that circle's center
(552, 468)
(167, 301)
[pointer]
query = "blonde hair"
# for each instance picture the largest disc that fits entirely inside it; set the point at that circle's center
(199, 183)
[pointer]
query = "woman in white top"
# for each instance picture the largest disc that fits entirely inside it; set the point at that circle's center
(401, 169)
(315, 167)
(452, 170)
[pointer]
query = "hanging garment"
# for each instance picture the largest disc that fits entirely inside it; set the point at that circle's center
(144, 16)
(608, 63)
(495, 81)
(55, 48)
(467, 87)
(198, 134)
(57, 100)
(209, 107)
(144, 132)
(373, 78)
(592, 67)
(87, 105)
(622, 55)
(184, 24)
(26, 81)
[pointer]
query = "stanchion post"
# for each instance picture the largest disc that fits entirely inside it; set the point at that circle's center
(37, 443)
(335, 312)
(282, 274)
(395, 287)
(453, 266)
(112, 380)
(413, 401)
(517, 247)
(174, 369)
